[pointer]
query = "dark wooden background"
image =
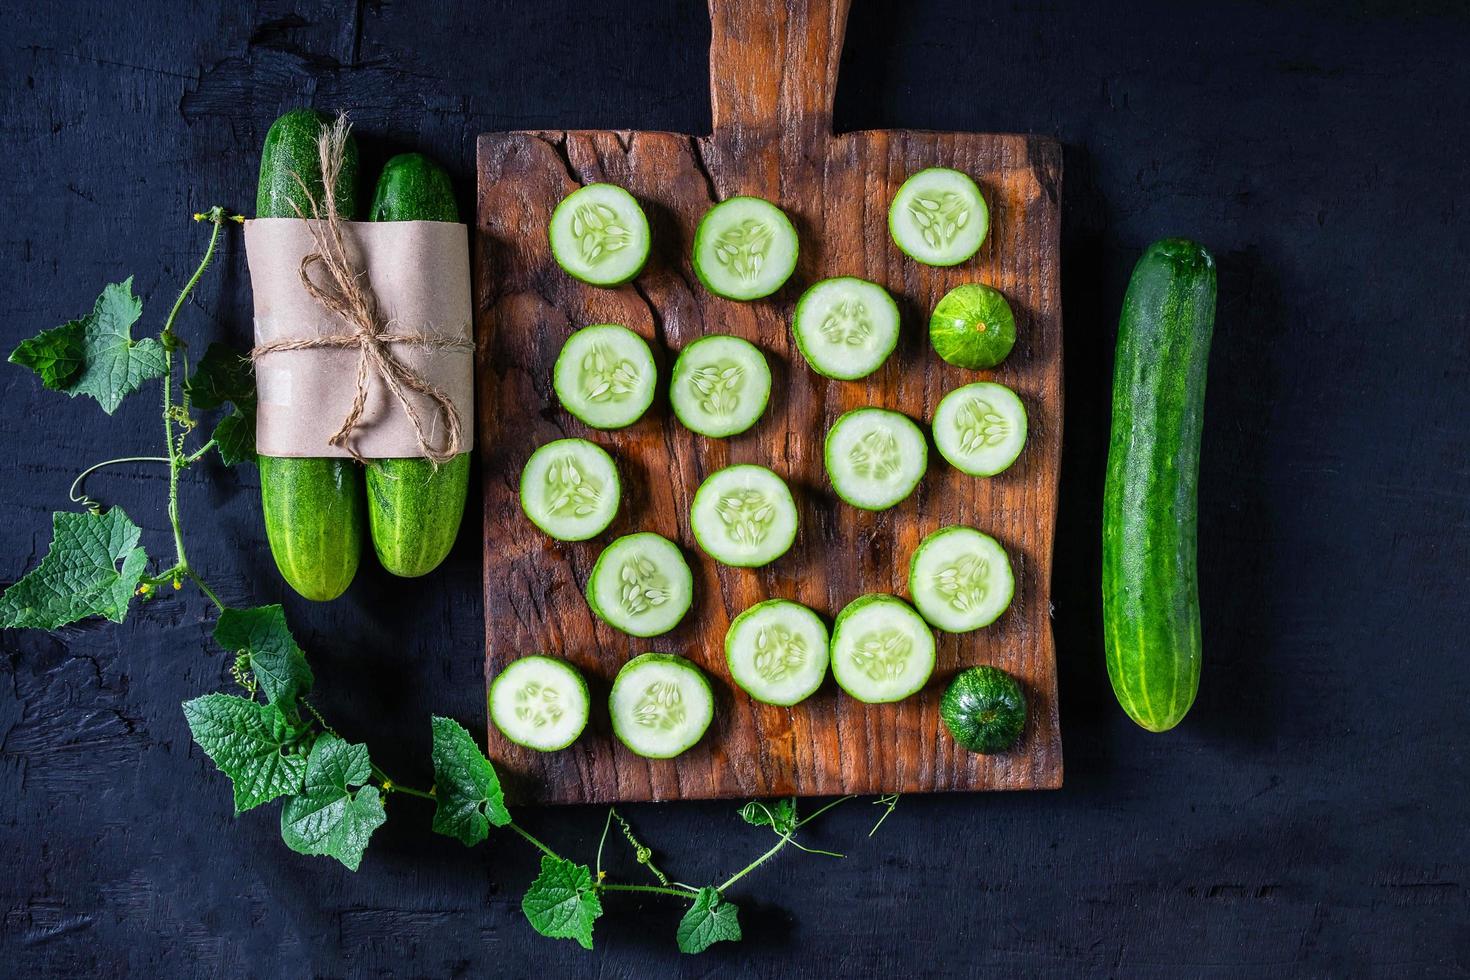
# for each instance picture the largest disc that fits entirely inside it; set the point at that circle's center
(1309, 818)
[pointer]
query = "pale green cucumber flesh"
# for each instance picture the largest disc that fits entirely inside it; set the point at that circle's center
(720, 386)
(540, 702)
(845, 328)
(960, 579)
(882, 650)
(641, 585)
(661, 705)
(605, 376)
(939, 217)
(570, 489)
(744, 516)
(599, 234)
(874, 457)
(980, 428)
(777, 651)
(744, 248)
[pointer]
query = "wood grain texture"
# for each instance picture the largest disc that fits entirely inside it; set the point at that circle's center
(773, 72)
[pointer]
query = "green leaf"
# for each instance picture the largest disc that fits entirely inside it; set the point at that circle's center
(780, 816)
(55, 354)
(711, 919)
(277, 662)
(262, 752)
(465, 785)
(80, 576)
(221, 376)
(333, 816)
(234, 437)
(110, 364)
(561, 903)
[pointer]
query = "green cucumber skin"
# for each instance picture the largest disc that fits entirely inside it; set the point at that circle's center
(414, 507)
(414, 188)
(313, 507)
(414, 511)
(314, 522)
(1151, 621)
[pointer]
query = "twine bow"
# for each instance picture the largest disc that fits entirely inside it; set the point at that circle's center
(346, 292)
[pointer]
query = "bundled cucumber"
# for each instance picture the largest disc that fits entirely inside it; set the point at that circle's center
(415, 507)
(313, 506)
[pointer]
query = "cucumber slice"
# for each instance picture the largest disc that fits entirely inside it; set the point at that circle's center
(605, 376)
(744, 248)
(599, 234)
(660, 704)
(980, 428)
(845, 328)
(961, 579)
(540, 703)
(881, 649)
(721, 386)
(875, 457)
(641, 585)
(938, 217)
(777, 651)
(570, 489)
(744, 516)
(973, 327)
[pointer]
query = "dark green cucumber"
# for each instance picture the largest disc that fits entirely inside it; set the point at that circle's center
(313, 507)
(1151, 626)
(414, 508)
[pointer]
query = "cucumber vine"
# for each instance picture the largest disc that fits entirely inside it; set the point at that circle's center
(270, 741)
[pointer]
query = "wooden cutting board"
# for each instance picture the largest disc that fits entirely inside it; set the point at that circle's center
(773, 71)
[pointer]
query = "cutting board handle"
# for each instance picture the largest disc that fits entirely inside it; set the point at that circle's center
(773, 67)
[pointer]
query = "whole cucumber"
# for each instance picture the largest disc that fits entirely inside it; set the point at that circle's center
(1151, 622)
(313, 507)
(414, 508)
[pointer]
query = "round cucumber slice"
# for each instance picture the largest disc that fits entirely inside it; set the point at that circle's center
(961, 579)
(599, 234)
(973, 327)
(744, 248)
(570, 489)
(875, 457)
(641, 585)
(744, 516)
(540, 703)
(777, 651)
(980, 428)
(661, 705)
(938, 217)
(605, 376)
(720, 386)
(845, 328)
(984, 709)
(881, 649)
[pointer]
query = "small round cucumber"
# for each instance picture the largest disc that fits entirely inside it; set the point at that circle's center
(845, 328)
(641, 585)
(744, 516)
(660, 704)
(973, 327)
(875, 457)
(938, 217)
(777, 651)
(599, 234)
(570, 489)
(540, 703)
(720, 386)
(881, 649)
(605, 376)
(984, 709)
(961, 579)
(980, 428)
(744, 248)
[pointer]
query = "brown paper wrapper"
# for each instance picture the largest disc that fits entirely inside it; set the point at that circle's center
(420, 273)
